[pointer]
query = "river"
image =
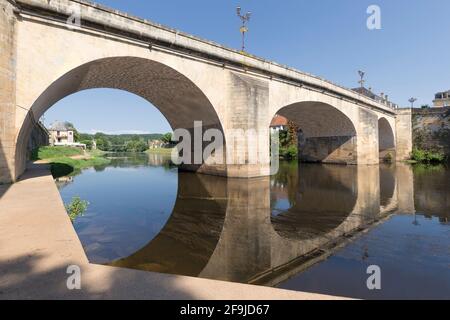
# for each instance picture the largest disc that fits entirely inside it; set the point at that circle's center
(311, 227)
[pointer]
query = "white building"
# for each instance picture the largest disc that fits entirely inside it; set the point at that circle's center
(62, 134)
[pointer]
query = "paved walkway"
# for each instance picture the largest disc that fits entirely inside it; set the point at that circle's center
(38, 242)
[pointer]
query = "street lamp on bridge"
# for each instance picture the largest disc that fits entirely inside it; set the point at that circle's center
(361, 75)
(412, 100)
(244, 18)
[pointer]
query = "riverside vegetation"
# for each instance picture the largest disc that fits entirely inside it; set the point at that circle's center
(68, 160)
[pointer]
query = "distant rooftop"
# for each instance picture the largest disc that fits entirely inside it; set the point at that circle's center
(279, 121)
(60, 126)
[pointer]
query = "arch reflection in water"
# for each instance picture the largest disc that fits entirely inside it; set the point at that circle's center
(187, 241)
(231, 229)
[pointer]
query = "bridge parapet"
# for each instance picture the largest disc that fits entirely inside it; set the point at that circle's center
(158, 37)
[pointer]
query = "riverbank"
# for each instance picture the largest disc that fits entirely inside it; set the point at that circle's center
(40, 243)
(160, 151)
(65, 161)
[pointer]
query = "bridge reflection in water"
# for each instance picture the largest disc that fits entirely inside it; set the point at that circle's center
(265, 230)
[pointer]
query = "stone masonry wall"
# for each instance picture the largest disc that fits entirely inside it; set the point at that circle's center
(431, 129)
(7, 90)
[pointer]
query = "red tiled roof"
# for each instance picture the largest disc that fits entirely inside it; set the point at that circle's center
(279, 121)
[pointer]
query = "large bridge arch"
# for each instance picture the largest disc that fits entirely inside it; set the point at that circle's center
(176, 96)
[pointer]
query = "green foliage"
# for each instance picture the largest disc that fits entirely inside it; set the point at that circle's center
(289, 152)
(160, 150)
(76, 134)
(427, 156)
(388, 158)
(123, 142)
(49, 152)
(103, 144)
(425, 106)
(288, 144)
(63, 165)
(424, 169)
(88, 143)
(284, 138)
(136, 146)
(67, 166)
(167, 138)
(76, 208)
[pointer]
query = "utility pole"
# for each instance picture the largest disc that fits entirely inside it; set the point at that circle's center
(244, 18)
(412, 100)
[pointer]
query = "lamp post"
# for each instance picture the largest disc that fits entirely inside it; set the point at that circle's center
(412, 100)
(244, 18)
(361, 75)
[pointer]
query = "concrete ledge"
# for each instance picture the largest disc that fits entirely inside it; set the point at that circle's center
(38, 243)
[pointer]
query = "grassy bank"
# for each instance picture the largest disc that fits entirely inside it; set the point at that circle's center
(68, 160)
(46, 153)
(160, 150)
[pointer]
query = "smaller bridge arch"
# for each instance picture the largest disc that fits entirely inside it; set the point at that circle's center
(386, 139)
(325, 134)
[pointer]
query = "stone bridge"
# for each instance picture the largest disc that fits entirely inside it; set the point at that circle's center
(44, 59)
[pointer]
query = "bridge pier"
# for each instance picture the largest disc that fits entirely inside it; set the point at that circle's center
(7, 91)
(247, 136)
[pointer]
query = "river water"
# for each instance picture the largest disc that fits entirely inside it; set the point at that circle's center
(311, 227)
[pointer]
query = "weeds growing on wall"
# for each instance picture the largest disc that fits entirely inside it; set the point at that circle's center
(76, 208)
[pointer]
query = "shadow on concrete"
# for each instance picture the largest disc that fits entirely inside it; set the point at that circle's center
(23, 278)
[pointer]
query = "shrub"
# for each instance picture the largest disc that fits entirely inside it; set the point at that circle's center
(289, 153)
(388, 158)
(427, 156)
(76, 208)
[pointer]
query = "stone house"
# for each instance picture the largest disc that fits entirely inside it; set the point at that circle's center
(442, 99)
(61, 133)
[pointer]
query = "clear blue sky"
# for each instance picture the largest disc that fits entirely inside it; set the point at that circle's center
(408, 57)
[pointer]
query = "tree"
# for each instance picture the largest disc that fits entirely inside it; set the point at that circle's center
(292, 133)
(76, 134)
(102, 144)
(167, 138)
(88, 143)
(136, 146)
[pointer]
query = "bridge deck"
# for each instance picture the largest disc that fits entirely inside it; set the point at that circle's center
(38, 242)
(113, 22)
